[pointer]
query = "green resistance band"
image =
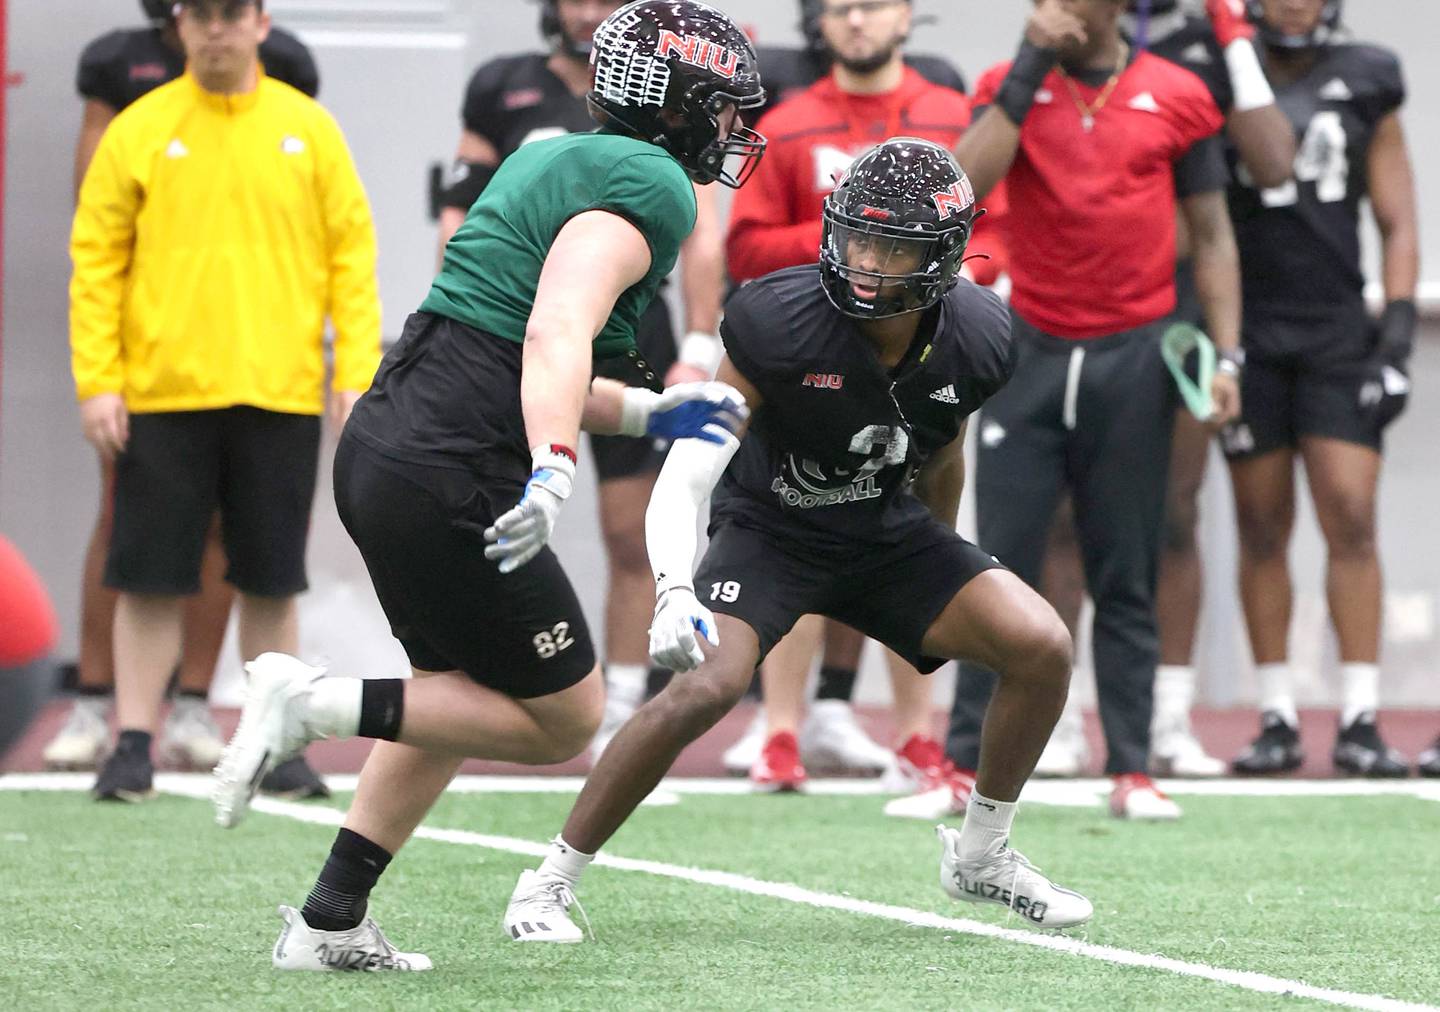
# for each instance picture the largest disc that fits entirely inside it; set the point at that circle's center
(1179, 340)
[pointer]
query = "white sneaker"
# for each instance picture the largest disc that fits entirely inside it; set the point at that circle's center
(1065, 753)
(539, 910)
(301, 947)
(81, 742)
(190, 737)
(1176, 752)
(1008, 879)
(272, 729)
(745, 753)
(617, 711)
(1135, 796)
(832, 742)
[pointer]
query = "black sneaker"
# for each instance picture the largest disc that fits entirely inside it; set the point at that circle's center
(1427, 763)
(126, 776)
(1360, 752)
(1277, 750)
(294, 780)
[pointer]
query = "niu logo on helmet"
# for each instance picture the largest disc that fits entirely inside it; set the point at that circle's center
(699, 52)
(954, 200)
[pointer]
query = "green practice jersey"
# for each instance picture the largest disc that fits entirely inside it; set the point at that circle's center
(492, 265)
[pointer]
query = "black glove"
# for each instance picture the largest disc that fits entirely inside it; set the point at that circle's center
(1387, 383)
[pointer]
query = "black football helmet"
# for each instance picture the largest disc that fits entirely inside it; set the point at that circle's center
(1325, 31)
(159, 12)
(665, 70)
(895, 229)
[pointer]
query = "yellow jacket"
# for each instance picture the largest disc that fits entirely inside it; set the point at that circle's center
(213, 236)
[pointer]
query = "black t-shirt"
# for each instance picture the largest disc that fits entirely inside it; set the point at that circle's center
(1188, 40)
(1300, 242)
(785, 71)
(121, 66)
(517, 99)
(832, 450)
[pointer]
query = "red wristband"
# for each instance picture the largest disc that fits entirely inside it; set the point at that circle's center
(564, 451)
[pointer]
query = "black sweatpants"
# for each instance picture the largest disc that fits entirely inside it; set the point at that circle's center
(1095, 417)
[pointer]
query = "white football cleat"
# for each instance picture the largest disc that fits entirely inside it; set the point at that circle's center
(539, 911)
(1065, 753)
(365, 947)
(1176, 752)
(81, 742)
(272, 729)
(1135, 796)
(191, 737)
(937, 788)
(1008, 879)
(745, 753)
(831, 741)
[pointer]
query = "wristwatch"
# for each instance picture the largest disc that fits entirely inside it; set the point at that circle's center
(1231, 362)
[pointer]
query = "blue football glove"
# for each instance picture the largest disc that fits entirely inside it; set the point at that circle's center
(707, 411)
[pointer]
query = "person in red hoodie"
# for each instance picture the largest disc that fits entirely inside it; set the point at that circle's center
(869, 95)
(26, 635)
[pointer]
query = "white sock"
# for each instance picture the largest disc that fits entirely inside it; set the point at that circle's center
(1277, 694)
(1360, 691)
(1174, 694)
(564, 862)
(986, 826)
(333, 706)
(626, 682)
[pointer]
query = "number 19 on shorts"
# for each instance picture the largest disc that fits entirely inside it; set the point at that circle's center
(728, 591)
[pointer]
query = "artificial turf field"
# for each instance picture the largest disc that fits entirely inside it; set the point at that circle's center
(803, 902)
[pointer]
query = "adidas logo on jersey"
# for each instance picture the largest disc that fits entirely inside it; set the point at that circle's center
(292, 145)
(946, 394)
(176, 149)
(1336, 90)
(1196, 53)
(1044, 96)
(1145, 102)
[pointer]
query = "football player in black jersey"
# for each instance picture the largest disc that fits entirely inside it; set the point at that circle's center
(116, 69)
(841, 501)
(1322, 379)
(509, 102)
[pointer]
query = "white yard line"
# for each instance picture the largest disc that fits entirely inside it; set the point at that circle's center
(919, 918)
(1067, 793)
(198, 787)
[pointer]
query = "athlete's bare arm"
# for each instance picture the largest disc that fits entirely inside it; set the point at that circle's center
(1392, 196)
(942, 480)
(595, 258)
(1266, 143)
(476, 149)
(1217, 279)
(97, 117)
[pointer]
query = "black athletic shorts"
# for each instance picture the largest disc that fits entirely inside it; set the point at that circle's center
(257, 467)
(420, 529)
(891, 593)
(1301, 379)
(625, 456)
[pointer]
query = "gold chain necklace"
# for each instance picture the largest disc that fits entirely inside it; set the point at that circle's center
(1089, 111)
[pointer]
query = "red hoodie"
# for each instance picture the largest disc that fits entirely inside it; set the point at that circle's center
(775, 219)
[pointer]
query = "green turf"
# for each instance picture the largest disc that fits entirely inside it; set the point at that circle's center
(152, 907)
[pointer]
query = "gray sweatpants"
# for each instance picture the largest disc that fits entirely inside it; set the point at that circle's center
(1095, 417)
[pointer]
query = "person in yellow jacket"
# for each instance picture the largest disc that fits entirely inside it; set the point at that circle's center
(220, 223)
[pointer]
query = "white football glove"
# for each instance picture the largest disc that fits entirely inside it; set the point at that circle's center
(679, 616)
(521, 532)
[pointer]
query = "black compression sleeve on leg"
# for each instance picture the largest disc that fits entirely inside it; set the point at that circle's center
(836, 683)
(382, 708)
(341, 894)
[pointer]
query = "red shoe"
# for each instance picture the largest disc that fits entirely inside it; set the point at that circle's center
(1135, 796)
(778, 768)
(938, 787)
